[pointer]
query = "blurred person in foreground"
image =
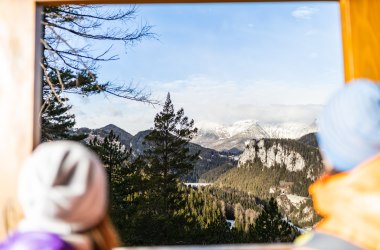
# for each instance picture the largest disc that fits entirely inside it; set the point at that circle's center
(63, 194)
(348, 196)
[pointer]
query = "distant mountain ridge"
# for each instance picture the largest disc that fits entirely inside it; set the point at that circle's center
(236, 136)
(208, 158)
(264, 167)
(220, 147)
(102, 132)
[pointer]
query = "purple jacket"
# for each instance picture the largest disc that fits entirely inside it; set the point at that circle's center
(35, 241)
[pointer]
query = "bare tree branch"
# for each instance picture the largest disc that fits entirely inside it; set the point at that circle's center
(136, 35)
(78, 58)
(50, 83)
(129, 14)
(94, 58)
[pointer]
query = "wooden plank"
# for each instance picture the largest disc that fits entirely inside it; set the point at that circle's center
(217, 247)
(361, 38)
(17, 22)
(37, 75)
(58, 2)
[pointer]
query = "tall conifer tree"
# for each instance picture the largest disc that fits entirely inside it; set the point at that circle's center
(271, 226)
(112, 153)
(123, 178)
(167, 157)
(56, 122)
(164, 162)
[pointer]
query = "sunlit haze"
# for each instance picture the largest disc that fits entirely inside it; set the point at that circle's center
(270, 62)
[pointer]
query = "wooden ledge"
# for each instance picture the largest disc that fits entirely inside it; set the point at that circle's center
(217, 247)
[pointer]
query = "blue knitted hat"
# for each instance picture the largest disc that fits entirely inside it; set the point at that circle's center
(349, 125)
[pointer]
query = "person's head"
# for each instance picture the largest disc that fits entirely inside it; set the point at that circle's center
(349, 125)
(63, 190)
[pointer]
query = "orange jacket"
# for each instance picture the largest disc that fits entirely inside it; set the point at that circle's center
(349, 203)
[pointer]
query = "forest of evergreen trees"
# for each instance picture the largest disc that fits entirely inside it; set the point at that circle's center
(151, 206)
(245, 178)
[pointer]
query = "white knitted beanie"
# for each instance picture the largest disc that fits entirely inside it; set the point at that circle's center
(62, 189)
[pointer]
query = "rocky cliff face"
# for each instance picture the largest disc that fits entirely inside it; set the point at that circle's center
(277, 154)
(280, 168)
(292, 155)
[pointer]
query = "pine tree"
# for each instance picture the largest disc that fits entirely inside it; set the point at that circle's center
(271, 226)
(123, 177)
(164, 162)
(239, 217)
(56, 121)
(167, 157)
(210, 225)
(112, 153)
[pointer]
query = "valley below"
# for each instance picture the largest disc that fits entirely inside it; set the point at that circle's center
(246, 164)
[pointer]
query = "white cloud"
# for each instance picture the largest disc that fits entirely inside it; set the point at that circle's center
(96, 112)
(205, 99)
(281, 113)
(304, 12)
(225, 102)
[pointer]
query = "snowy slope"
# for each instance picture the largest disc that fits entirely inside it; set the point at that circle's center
(290, 130)
(236, 135)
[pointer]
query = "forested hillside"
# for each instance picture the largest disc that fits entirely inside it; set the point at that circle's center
(146, 173)
(280, 168)
(267, 163)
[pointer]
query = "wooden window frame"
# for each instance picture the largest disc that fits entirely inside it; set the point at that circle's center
(20, 76)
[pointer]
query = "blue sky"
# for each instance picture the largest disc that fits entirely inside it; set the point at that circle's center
(272, 62)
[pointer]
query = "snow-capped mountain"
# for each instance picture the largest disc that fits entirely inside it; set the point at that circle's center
(235, 136)
(218, 137)
(212, 131)
(289, 130)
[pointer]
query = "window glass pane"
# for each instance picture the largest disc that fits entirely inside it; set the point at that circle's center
(252, 76)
